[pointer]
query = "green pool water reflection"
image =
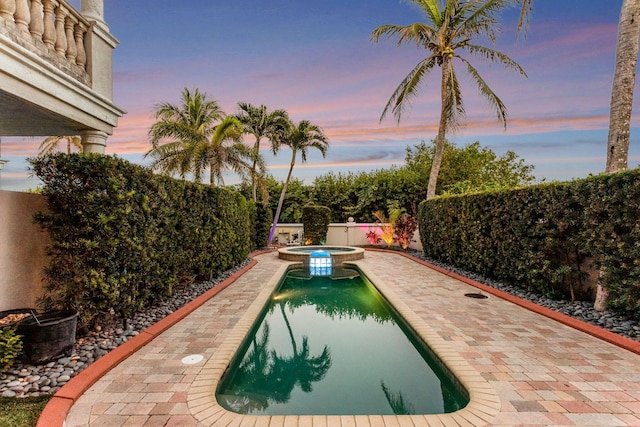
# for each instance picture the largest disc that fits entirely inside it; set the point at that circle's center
(324, 346)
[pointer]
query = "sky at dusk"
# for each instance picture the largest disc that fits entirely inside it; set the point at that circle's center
(316, 60)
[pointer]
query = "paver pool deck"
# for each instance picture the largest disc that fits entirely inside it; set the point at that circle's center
(530, 369)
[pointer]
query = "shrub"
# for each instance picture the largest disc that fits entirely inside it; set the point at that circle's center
(10, 347)
(544, 237)
(405, 227)
(122, 237)
(262, 220)
(316, 220)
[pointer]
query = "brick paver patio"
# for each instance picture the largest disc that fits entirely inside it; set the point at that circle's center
(542, 372)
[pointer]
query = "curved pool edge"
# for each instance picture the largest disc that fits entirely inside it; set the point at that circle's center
(484, 403)
(290, 253)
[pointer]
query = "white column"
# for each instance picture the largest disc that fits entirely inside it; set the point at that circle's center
(93, 141)
(93, 10)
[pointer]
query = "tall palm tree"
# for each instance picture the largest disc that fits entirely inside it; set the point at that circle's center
(189, 123)
(50, 144)
(300, 139)
(449, 30)
(261, 123)
(624, 78)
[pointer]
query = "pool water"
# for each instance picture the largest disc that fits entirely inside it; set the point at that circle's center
(335, 347)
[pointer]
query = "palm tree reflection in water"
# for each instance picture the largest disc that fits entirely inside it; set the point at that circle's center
(333, 347)
(268, 377)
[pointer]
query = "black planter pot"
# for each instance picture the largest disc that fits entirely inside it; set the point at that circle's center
(48, 335)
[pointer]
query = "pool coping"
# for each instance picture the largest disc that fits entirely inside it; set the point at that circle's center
(484, 403)
(55, 412)
(290, 253)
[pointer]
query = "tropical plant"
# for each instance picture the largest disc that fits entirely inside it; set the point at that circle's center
(405, 227)
(450, 28)
(184, 125)
(372, 236)
(300, 138)
(388, 224)
(261, 123)
(50, 144)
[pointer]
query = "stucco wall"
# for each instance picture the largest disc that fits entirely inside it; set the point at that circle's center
(344, 234)
(22, 250)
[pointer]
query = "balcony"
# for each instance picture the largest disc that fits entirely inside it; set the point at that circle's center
(56, 71)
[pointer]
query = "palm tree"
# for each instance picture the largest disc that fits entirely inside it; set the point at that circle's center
(215, 154)
(261, 123)
(220, 156)
(300, 139)
(450, 27)
(50, 144)
(190, 123)
(624, 78)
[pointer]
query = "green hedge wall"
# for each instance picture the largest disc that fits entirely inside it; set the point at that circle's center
(315, 219)
(122, 237)
(542, 237)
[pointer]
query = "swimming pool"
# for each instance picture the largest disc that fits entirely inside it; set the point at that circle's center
(332, 346)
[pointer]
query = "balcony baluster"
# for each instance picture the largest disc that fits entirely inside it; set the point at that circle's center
(71, 52)
(22, 16)
(61, 39)
(7, 9)
(79, 33)
(36, 26)
(49, 35)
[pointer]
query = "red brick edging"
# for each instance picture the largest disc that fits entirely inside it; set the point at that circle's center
(56, 410)
(603, 334)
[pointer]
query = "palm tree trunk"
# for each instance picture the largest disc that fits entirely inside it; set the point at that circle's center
(286, 322)
(624, 78)
(623, 84)
(281, 201)
(442, 132)
(254, 185)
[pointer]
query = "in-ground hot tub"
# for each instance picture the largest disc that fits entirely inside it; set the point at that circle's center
(338, 253)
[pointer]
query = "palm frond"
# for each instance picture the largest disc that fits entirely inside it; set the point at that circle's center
(493, 55)
(400, 98)
(484, 89)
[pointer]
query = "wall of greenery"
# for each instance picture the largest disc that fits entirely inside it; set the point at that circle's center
(316, 220)
(122, 237)
(544, 237)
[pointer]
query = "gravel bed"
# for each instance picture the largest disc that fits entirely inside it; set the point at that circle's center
(24, 380)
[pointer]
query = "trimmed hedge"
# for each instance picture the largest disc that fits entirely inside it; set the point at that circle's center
(122, 237)
(543, 237)
(262, 218)
(315, 219)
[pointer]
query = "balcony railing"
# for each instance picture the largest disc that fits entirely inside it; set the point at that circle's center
(52, 29)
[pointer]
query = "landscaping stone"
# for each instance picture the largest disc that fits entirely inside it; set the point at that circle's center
(24, 380)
